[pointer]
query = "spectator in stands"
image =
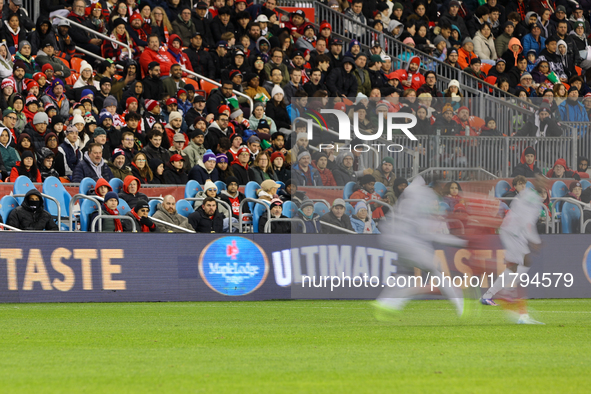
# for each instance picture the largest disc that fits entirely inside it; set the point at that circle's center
(140, 168)
(217, 130)
(70, 149)
(279, 166)
(361, 222)
(484, 44)
(154, 148)
(92, 165)
(37, 130)
(337, 218)
(474, 69)
(550, 54)
(80, 36)
(310, 218)
(240, 165)
(206, 169)
(534, 40)
(175, 175)
(233, 197)
(571, 110)
(341, 81)
(561, 170)
(139, 214)
(261, 169)
(527, 167)
(130, 193)
(46, 158)
(344, 173)
(518, 185)
(31, 214)
(55, 95)
(117, 165)
(385, 175)
(166, 212)
(9, 154)
(277, 110)
(26, 166)
(303, 173)
(282, 227)
(454, 19)
(320, 163)
(399, 185)
(151, 54)
(543, 126)
(582, 165)
(184, 26)
(109, 208)
(207, 219)
(365, 190)
(195, 150)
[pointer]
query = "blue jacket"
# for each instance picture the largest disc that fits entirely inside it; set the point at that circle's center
(199, 173)
(300, 178)
(530, 43)
(71, 155)
(572, 113)
(313, 226)
(358, 226)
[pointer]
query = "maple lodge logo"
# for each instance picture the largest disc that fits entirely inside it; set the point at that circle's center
(233, 266)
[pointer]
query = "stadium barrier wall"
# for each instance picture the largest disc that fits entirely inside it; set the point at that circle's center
(85, 267)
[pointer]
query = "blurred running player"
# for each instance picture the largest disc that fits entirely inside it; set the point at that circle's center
(519, 236)
(416, 225)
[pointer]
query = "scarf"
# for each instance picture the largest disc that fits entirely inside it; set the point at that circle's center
(114, 212)
(306, 216)
(176, 53)
(144, 228)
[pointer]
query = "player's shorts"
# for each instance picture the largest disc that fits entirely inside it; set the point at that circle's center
(516, 248)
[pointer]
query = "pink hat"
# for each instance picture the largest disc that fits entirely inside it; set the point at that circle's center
(408, 40)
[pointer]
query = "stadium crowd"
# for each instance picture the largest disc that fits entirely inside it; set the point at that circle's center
(143, 117)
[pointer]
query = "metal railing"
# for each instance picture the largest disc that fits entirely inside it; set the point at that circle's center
(75, 198)
(96, 33)
(4, 227)
(290, 220)
(343, 230)
(256, 201)
(100, 223)
(237, 93)
(186, 230)
(55, 201)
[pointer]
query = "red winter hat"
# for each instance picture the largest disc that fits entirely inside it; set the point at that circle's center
(31, 84)
(340, 106)
(37, 76)
(276, 155)
(151, 104)
(464, 107)
(171, 101)
(46, 67)
(325, 25)
(129, 101)
(223, 108)
(135, 16)
(31, 99)
(242, 150)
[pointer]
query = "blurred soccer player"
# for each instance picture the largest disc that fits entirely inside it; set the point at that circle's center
(411, 233)
(519, 236)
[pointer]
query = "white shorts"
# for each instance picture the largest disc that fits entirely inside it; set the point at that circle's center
(516, 248)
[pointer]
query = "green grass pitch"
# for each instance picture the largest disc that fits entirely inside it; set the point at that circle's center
(291, 346)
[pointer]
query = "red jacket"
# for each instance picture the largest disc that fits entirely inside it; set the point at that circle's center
(15, 174)
(149, 56)
(325, 175)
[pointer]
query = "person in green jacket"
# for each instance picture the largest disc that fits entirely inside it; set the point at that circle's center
(9, 155)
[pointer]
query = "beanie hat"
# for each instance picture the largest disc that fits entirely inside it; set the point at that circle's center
(98, 131)
(71, 129)
(408, 41)
(78, 119)
(129, 101)
(210, 185)
(151, 104)
(388, 159)
(276, 155)
(116, 153)
(447, 107)
(104, 115)
(359, 206)
(141, 205)
(209, 155)
(529, 151)
(277, 89)
(303, 154)
(464, 107)
(27, 153)
(110, 101)
(221, 158)
(31, 99)
(87, 92)
(32, 83)
(174, 115)
(276, 202)
(110, 195)
(89, 119)
(40, 117)
(7, 82)
(367, 178)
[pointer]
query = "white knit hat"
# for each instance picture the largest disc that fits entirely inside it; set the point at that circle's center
(453, 82)
(277, 89)
(174, 115)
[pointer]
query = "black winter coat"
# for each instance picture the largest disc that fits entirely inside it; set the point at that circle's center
(175, 177)
(27, 218)
(330, 217)
(276, 227)
(279, 114)
(205, 224)
(341, 83)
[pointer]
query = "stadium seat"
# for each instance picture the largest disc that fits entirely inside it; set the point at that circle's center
(250, 191)
(71, 80)
(86, 185)
(123, 207)
(349, 210)
(192, 188)
(153, 204)
(571, 214)
(290, 210)
(559, 189)
(76, 62)
(7, 204)
(485, 68)
(259, 210)
(87, 207)
(444, 207)
(54, 188)
(184, 208)
(281, 185)
(501, 188)
(585, 184)
(348, 190)
(207, 87)
(530, 185)
(320, 208)
(66, 63)
(381, 189)
(220, 185)
(21, 186)
(117, 185)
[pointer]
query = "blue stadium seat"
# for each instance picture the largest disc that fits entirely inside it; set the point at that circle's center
(258, 211)
(585, 183)
(381, 189)
(320, 208)
(86, 185)
(117, 185)
(21, 186)
(220, 185)
(348, 190)
(7, 204)
(123, 207)
(192, 188)
(281, 185)
(250, 191)
(349, 210)
(571, 214)
(53, 187)
(559, 189)
(153, 204)
(444, 207)
(530, 185)
(501, 188)
(290, 210)
(184, 208)
(87, 207)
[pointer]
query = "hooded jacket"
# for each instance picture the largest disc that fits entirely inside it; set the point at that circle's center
(417, 79)
(9, 155)
(568, 173)
(132, 199)
(484, 48)
(528, 171)
(343, 175)
(87, 169)
(27, 217)
(510, 56)
(502, 41)
(173, 218)
(72, 155)
(6, 64)
(572, 111)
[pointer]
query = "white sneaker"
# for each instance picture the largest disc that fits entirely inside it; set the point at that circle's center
(525, 319)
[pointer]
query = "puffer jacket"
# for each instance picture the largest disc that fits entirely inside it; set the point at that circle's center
(27, 218)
